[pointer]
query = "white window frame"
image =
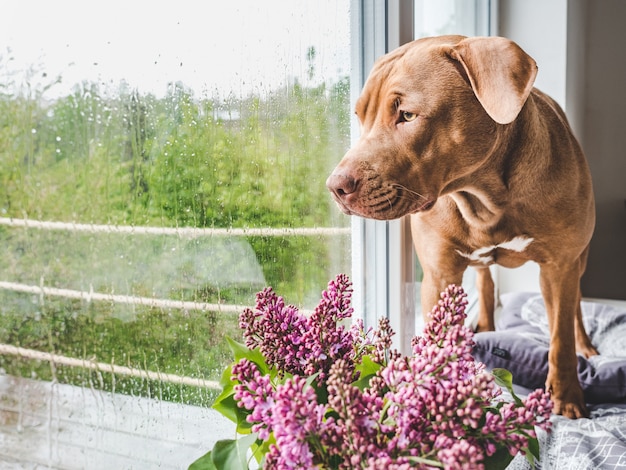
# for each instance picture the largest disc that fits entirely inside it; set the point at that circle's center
(383, 270)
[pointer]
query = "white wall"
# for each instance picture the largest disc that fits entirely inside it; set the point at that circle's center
(578, 45)
(540, 28)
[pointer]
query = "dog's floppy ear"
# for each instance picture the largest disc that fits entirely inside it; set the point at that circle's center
(500, 73)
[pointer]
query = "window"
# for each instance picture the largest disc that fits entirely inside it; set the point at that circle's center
(158, 167)
(159, 164)
(474, 18)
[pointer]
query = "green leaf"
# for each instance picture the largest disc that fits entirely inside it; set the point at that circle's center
(226, 380)
(261, 448)
(533, 447)
(225, 402)
(363, 382)
(421, 461)
(203, 463)
(230, 454)
(226, 383)
(227, 406)
(241, 351)
(533, 451)
(310, 379)
(504, 378)
(367, 368)
(499, 460)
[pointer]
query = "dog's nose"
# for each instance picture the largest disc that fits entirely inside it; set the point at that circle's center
(341, 185)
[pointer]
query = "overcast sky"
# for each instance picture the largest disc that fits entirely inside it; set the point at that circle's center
(236, 45)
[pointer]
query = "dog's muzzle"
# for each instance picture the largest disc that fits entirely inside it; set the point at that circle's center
(373, 198)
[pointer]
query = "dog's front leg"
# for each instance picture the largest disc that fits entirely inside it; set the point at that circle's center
(560, 286)
(486, 299)
(431, 290)
(433, 284)
(439, 261)
(439, 272)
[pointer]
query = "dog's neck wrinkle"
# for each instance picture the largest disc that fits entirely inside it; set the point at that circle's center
(477, 208)
(481, 196)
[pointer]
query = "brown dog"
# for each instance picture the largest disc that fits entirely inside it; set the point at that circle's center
(454, 134)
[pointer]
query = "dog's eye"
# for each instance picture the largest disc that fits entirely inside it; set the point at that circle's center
(408, 116)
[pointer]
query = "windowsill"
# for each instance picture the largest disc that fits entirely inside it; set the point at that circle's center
(62, 426)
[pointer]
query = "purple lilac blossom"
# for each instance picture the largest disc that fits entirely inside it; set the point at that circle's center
(436, 407)
(294, 343)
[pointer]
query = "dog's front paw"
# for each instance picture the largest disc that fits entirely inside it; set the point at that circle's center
(570, 410)
(569, 401)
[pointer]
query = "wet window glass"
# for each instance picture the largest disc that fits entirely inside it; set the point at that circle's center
(159, 164)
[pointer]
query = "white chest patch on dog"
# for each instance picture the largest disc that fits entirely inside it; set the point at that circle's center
(485, 255)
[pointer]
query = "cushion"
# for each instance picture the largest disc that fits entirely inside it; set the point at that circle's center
(521, 341)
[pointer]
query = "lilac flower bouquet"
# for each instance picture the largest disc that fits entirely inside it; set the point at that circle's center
(316, 392)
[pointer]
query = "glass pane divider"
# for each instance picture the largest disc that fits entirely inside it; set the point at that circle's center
(181, 231)
(123, 299)
(56, 359)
